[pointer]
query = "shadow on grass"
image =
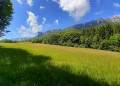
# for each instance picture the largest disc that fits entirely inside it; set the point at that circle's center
(20, 68)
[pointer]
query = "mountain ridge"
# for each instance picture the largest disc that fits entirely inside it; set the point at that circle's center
(114, 19)
(99, 21)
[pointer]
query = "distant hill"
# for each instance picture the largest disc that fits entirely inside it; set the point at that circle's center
(115, 19)
(52, 31)
(20, 39)
(40, 34)
(49, 32)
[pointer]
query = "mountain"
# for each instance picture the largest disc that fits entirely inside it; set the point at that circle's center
(49, 32)
(115, 19)
(52, 31)
(40, 34)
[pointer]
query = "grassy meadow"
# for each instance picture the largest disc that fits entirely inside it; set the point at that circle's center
(27, 64)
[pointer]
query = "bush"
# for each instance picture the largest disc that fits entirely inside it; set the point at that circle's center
(115, 40)
(105, 45)
(37, 40)
(69, 44)
(76, 45)
(114, 48)
(95, 46)
(82, 46)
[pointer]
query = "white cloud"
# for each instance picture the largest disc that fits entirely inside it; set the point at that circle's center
(76, 8)
(98, 13)
(30, 2)
(34, 27)
(19, 1)
(116, 4)
(42, 7)
(44, 20)
(56, 1)
(57, 22)
(25, 32)
(32, 19)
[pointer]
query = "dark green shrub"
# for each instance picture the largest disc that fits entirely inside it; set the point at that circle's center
(115, 40)
(114, 48)
(69, 44)
(37, 40)
(82, 46)
(95, 46)
(105, 44)
(76, 45)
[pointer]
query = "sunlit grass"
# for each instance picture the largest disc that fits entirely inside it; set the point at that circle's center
(101, 66)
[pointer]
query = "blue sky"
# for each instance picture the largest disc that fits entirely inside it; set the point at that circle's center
(33, 16)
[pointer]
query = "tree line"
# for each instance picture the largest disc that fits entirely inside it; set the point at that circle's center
(104, 37)
(7, 41)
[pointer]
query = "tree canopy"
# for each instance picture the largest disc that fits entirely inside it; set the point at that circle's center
(6, 11)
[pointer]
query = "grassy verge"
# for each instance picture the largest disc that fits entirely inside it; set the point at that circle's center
(27, 64)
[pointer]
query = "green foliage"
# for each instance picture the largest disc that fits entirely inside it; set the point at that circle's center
(53, 39)
(115, 39)
(69, 44)
(38, 40)
(82, 46)
(6, 12)
(7, 41)
(105, 44)
(105, 37)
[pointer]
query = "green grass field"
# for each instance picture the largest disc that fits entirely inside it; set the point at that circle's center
(27, 64)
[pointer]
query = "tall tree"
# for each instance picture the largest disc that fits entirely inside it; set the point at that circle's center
(6, 11)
